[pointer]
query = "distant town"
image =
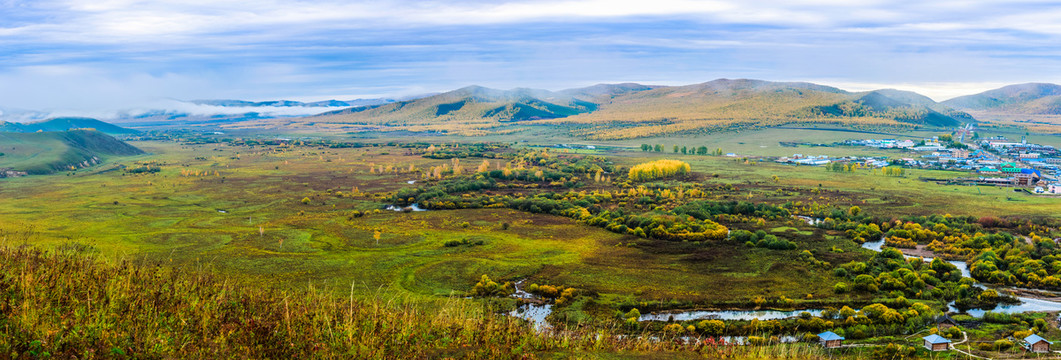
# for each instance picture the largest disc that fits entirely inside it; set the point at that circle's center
(995, 161)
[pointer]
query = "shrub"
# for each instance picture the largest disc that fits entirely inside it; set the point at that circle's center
(840, 288)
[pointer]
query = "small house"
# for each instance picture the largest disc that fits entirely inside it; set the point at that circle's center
(936, 343)
(945, 322)
(830, 340)
(1037, 344)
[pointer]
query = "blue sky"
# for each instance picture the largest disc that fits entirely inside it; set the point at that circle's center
(113, 54)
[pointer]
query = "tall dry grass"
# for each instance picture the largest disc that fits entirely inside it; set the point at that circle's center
(69, 305)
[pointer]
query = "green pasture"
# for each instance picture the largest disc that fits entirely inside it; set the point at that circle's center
(242, 214)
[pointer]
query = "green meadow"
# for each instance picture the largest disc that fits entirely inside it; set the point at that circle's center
(243, 215)
(292, 218)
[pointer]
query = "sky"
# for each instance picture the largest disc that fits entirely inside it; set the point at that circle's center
(101, 55)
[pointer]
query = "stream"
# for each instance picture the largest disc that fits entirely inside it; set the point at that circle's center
(537, 313)
(1027, 304)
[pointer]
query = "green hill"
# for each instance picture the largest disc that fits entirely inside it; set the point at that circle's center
(64, 124)
(473, 104)
(610, 111)
(1026, 99)
(48, 152)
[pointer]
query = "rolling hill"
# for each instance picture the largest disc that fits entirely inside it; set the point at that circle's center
(64, 124)
(48, 152)
(607, 111)
(1028, 99)
(474, 104)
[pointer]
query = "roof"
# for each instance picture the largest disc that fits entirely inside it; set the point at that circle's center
(829, 336)
(936, 339)
(1035, 338)
(945, 318)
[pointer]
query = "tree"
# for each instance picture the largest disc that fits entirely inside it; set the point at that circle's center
(712, 327)
(376, 236)
(675, 149)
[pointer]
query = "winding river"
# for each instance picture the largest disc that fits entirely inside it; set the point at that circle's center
(1027, 304)
(537, 313)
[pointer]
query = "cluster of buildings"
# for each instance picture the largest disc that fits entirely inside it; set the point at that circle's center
(800, 159)
(10, 172)
(1029, 161)
(932, 144)
(998, 161)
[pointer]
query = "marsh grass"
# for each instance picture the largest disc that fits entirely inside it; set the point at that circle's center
(67, 304)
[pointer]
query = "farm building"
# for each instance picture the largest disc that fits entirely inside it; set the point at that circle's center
(936, 343)
(829, 339)
(1036, 344)
(945, 322)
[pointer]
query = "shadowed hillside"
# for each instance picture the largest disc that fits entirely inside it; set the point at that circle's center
(47, 152)
(64, 124)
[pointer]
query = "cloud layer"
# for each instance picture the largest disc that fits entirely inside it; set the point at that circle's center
(106, 54)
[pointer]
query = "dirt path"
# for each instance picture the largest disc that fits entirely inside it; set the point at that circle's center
(965, 337)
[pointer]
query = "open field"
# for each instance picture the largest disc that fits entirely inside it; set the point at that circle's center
(234, 215)
(297, 216)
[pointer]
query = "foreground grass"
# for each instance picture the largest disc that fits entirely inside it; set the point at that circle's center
(67, 305)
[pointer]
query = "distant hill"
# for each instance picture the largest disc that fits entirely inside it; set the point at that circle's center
(65, 123)
(1025, 99)
(743, 103)
(609, 111)
(903, 106)
(602, 111)
(48, 152)
(472, 104)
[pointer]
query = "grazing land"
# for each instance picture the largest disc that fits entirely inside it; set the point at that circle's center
(601, 233)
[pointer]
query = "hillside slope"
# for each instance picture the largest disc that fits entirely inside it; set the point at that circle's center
(1030, 99)
(48, 152)
(64, 124)
(608, 111)
(468, 107)
(743, 103)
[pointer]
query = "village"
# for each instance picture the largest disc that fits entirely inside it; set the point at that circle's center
(994, 161)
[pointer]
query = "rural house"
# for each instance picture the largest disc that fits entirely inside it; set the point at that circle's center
(1036, 344)
(944, 322)
(936, 343)
(829, 339)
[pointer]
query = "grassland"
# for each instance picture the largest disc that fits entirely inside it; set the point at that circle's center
(48, 152)
(295, 217)
(235, 214)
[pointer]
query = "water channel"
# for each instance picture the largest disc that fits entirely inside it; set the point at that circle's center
(536, 313)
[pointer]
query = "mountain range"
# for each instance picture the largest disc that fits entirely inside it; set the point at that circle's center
(610, 111)
(633, 110)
